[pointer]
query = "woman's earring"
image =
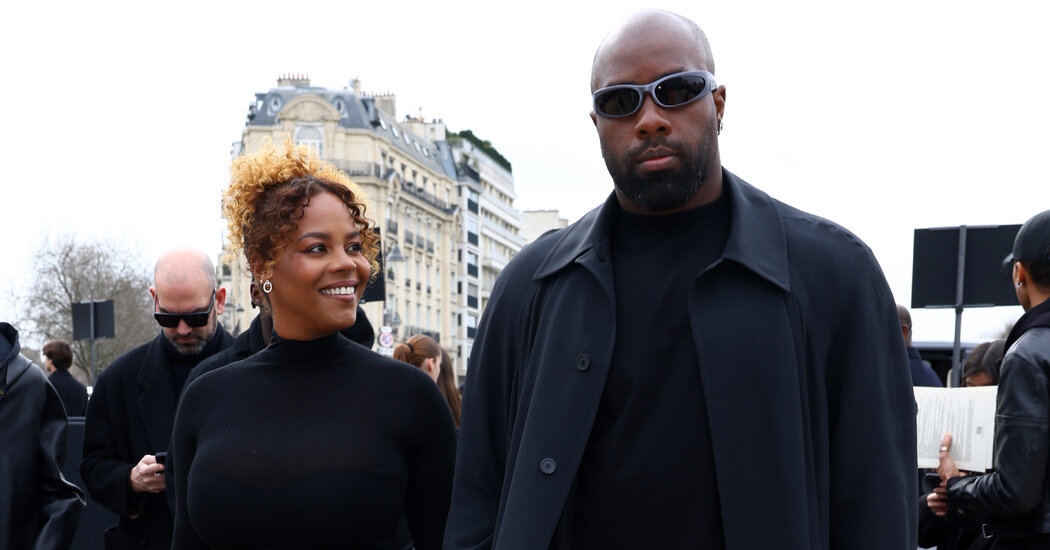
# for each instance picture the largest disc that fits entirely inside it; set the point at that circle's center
(267, 286)
(1019, 284)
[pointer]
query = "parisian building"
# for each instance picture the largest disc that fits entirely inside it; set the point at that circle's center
(443, 203)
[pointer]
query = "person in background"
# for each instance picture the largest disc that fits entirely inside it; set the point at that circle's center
(953, 529)
(39, 508)
(982, 364)
(921, 373)
(425, 354)
(1014, 499)
(314, 441)
(132, 407)
(58, 357)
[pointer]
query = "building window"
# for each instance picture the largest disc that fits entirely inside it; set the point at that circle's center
(311, 137)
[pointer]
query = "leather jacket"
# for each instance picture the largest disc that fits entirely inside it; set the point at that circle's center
(1015, 498)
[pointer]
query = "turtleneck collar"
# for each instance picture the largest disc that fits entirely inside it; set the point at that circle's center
(308, 349)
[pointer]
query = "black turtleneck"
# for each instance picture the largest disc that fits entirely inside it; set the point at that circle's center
(317, 444)
(647, 477)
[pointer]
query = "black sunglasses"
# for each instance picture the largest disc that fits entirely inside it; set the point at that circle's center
(195, 319)
(670, 91)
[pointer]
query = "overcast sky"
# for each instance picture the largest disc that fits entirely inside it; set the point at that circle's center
(882, 116)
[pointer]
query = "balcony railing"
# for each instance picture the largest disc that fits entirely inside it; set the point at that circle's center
(411, 331)
(427, 197)
(358, 168)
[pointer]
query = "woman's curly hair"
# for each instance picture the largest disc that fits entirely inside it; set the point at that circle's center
(268, 191)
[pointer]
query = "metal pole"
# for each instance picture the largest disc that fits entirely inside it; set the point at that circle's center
(93, 343)
(959, 281)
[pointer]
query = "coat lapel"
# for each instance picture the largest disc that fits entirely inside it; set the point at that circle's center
(157, 400)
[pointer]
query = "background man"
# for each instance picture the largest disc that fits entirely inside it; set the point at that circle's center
(691, 365)
(58, 357)
(39, 509)
(921, 373)
(132, 409)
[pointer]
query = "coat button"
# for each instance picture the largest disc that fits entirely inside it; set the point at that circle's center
(583, 362)
(548, 466)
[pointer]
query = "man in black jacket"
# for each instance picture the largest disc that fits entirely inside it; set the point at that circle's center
(58, 357)
(132, 408)
(38, 508)
(693, 364)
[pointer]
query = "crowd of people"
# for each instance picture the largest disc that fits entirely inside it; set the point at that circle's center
(693, 364)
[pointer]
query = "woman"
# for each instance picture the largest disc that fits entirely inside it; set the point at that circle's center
(1014, 498)
(315, 441)
(423, 352)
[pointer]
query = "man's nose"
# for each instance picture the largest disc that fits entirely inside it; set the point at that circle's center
(184, 329)
(651, 119)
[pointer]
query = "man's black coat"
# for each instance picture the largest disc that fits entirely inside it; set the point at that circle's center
(73, 393)
(131, 414)
(805, 380)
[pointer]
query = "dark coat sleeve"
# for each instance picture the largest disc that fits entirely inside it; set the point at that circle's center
(61, 502)
(871, 407)
(105, 471)
(481, 458)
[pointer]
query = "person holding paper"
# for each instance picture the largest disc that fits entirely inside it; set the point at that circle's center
(939, 526)
(1012, 500)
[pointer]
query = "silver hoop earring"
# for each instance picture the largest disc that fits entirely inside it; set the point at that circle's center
(267, 286)
(1019, 284)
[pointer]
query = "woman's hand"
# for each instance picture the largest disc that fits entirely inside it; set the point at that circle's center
(937, 501)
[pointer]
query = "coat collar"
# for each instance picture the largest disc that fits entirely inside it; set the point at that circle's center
(157, 400)
(757, 239)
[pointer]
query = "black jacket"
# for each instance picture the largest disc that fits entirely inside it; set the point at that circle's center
(130, 414)
(73, 393)
(1015, 498)
(39, 509)
(805, 376)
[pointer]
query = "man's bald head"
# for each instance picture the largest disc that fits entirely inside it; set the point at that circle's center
(647, 21)
(905, 317)
(184, 282)
(182, 265)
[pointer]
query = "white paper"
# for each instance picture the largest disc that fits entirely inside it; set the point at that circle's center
(966, 413)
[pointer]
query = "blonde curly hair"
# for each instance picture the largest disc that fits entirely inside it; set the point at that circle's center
(265, 200)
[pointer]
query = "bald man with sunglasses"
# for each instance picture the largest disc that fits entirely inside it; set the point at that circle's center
(132, 409)
(692, 364)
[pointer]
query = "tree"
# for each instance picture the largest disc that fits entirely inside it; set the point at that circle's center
(67, 271)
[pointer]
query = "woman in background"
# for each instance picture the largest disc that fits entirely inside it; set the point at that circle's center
(315, 441)
(426, 355)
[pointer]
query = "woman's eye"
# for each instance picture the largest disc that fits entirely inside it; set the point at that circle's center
(355, 247)
(316, 248)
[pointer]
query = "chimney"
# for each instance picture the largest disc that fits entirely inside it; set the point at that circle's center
(298, 80)
(356, 85)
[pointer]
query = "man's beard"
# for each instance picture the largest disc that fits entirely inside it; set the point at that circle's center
(666, 189)
(192, 348)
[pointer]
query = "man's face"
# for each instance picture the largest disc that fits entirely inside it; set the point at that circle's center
(658, 157)
(188, 296)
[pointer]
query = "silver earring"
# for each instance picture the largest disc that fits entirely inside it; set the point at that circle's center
(267, 286)
(1019, 284)
(719, 126)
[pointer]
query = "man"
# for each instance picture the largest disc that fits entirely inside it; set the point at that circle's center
(691, 365)
(132, 409)
(58, 357)
(39, 509)
(921, 373)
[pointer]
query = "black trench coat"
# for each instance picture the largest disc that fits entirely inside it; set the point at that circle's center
(804, 370)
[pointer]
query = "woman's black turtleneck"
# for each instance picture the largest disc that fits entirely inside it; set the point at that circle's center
(317, 444)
